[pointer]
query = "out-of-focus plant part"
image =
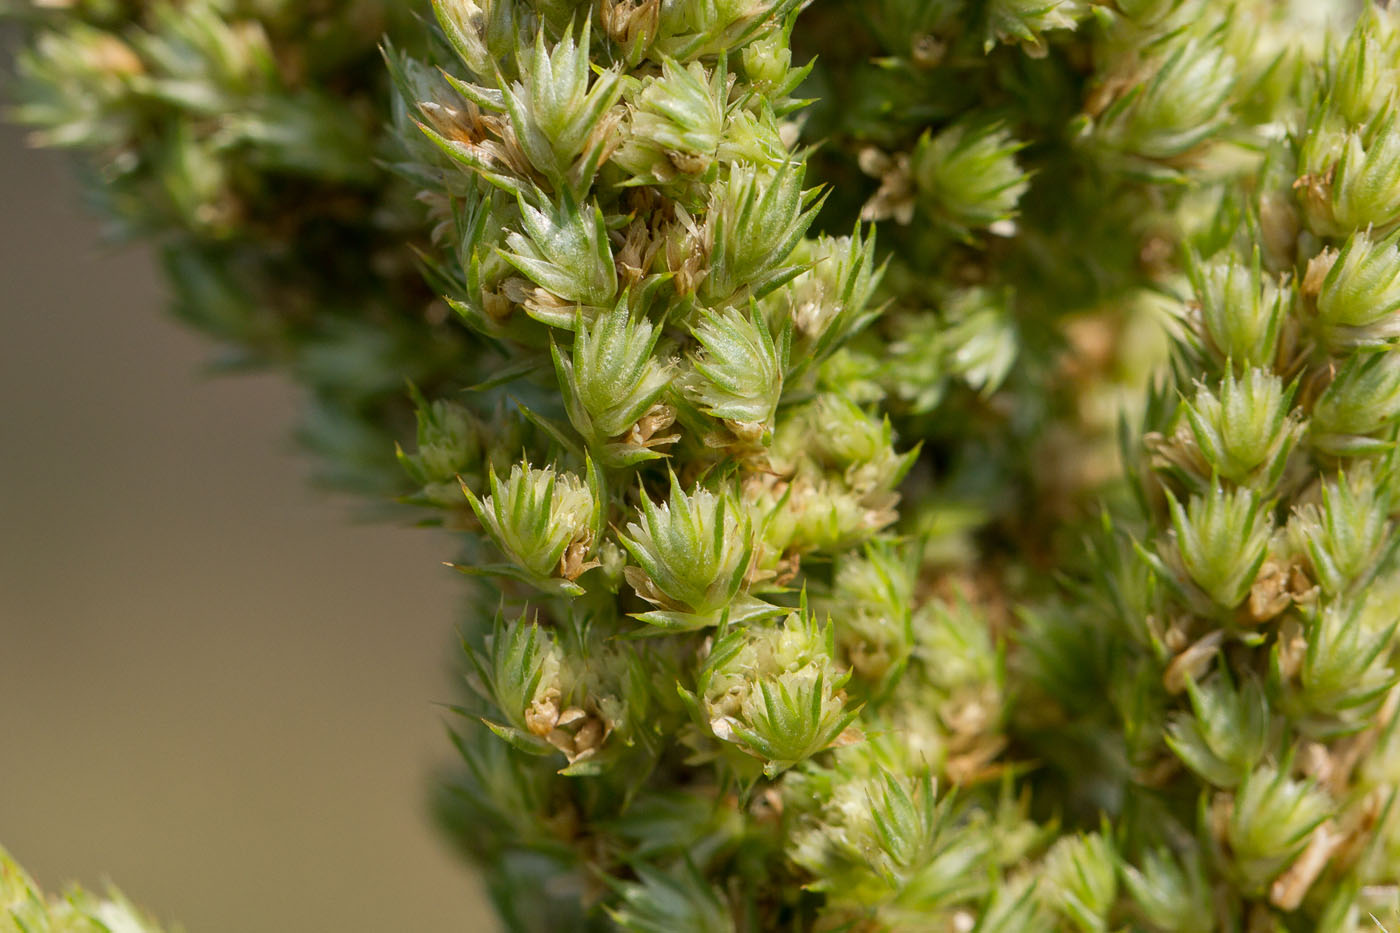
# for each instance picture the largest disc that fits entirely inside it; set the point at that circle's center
(24, 907)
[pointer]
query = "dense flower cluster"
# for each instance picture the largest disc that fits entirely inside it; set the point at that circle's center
(1030, 566)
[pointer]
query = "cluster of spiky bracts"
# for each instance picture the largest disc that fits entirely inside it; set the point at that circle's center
(1264, 631)
(816, 594)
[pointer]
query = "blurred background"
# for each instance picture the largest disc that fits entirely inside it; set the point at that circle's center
(216, 688)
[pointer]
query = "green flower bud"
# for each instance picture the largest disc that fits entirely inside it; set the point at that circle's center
(916, 370)
(1226, 734)
(676, 901)
(755, 218)
(1014, 908)
(828, 300)
(954, 644)
(518, 671)
(1318, 151)
(1246, 431)
(544, 522)
(1170, 895)
(565, 251)
(875, 593)
(1360, 295)
(1080, 878)
(612, 383)
(449, 446)
(840, 435)
(980, 338)
(852, 373)
(1184, 102)
(632, 27)
(580, 699)
(461, 120)
(1362, 401)
(698, 28)
(816, 514)
(556, 117)
(468, 24)
(969, 175)
(1220, 541)
(1240, 311)
(1268, 824)
(754, 136)
(480, 222)
(1343, 536)
(738, 374)
(693, 553)
(1361, 83)
(1366, 184)
(775, 693)
(768, 64)
(887, 841)
(1344, 670)
(959, 676)
(676, 123)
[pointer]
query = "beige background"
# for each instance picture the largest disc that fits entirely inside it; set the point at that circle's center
(215, 688)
